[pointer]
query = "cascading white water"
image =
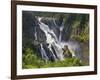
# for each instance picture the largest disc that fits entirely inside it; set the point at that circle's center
(43, 53)
(61, 29)
(58, 50)
(35, 34)
(49, 46)
(51, 40)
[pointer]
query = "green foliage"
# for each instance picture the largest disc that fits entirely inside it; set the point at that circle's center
(83, 37)
(30, 60)
(68, 62)
(80, 34)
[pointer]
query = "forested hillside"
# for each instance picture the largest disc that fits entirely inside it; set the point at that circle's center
(54, 39)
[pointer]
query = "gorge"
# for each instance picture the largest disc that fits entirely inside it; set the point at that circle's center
(51, 33)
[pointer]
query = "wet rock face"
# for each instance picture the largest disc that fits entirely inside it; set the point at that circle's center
(41, 38)
(28, 29)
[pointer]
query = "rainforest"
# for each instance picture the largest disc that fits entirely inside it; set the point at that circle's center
(54, 39)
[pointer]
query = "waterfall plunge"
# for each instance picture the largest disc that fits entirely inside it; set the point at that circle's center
(51, 41)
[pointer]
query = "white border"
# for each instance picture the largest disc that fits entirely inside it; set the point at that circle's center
(21, 71)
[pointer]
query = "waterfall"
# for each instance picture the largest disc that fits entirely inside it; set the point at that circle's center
(58, 50)
(61, 29)
(43, 53)
(35, 34)
(54, 56)
(51, 40)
